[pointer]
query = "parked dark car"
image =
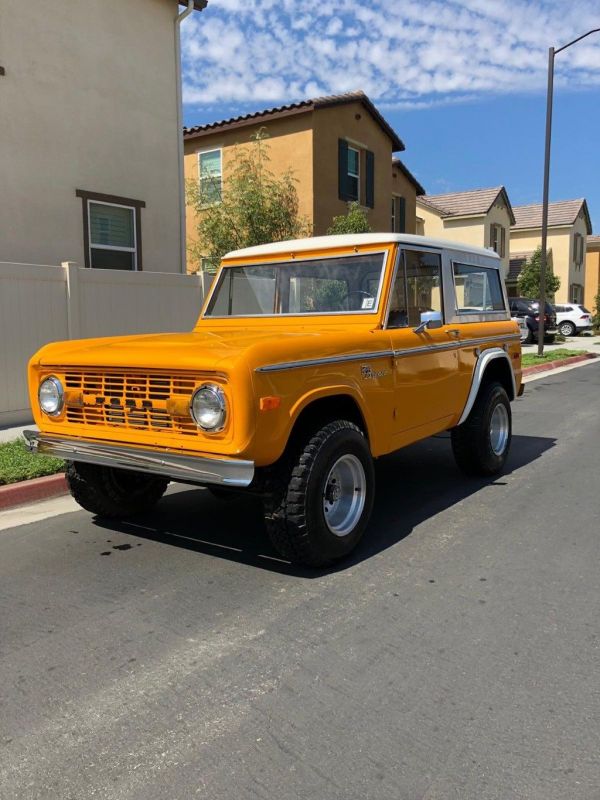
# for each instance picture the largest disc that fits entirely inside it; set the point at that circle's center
(529, 310)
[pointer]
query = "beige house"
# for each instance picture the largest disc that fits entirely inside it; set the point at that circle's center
(592, 273)
(90, 150)
(339, 149)
(569, 226)
(481, 217)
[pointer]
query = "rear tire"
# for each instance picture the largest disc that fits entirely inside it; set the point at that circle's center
(320, 516)
(110, 492)
(567, 329)
(482, 442)
(529, 338)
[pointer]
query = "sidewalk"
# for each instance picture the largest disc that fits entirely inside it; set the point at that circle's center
(9, 434)
(581, 342)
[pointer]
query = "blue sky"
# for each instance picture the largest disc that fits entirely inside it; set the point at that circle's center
(462, 82)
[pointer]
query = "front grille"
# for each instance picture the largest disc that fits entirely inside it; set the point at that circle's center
(132, 400)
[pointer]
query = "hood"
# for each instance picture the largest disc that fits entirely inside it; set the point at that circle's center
(204, 349)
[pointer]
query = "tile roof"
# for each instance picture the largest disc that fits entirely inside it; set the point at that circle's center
(398, 164)
(466, 204)
(562, 213)
(593, 241)
(298, 108)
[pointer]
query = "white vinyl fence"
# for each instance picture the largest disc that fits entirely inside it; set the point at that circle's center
(40, 304)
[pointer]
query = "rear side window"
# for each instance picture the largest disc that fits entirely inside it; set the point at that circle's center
(478, 289)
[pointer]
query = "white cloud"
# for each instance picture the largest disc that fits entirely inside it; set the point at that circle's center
(416, 53)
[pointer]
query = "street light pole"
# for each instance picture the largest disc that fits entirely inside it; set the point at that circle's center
(545, 200)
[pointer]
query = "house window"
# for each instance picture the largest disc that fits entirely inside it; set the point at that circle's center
(210, 265)
(576, 293)
(351, 162)
(398, 214)
(353, 174)
(498, 239)
(578, 250)
(111, 231)
(209, 170)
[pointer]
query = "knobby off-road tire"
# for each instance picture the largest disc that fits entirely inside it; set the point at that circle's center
(482, 442)
(110, 492)
(305, 521)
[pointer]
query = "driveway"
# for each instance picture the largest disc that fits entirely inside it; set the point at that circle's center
(455, 657)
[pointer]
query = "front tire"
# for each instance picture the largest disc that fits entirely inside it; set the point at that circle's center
(482, 442)
(322, 513)
(110, 492)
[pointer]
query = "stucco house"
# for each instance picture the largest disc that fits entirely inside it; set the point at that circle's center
(339, 148)
(569, 225)
(481, 217)
(90, 141)
(592, 273)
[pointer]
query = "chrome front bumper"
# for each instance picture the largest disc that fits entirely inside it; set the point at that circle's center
(178, 467)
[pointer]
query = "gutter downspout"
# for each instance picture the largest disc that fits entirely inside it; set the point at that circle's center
(179, 96)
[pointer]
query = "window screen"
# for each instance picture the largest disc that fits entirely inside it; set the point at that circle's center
(112, 236)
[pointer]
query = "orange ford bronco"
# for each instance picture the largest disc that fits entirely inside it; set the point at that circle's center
(310, 359)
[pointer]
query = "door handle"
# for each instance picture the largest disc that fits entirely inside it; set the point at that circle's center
(453, 331)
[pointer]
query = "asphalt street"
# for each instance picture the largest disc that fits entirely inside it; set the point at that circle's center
(456, 657)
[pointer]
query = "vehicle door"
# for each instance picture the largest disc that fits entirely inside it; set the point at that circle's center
(424, 355)
(479, 314)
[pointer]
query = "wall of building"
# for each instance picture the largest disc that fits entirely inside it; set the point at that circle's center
(352, 122)
(498, 215)
(289, 147)
(85, 107)
(560, 242)
(41, 304)
(470, 230)
(402, 187)
(592, 277)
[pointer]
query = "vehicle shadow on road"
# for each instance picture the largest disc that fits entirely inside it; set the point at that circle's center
(413, 485)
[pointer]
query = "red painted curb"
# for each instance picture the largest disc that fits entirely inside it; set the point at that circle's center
(17, 494)
(561, 362)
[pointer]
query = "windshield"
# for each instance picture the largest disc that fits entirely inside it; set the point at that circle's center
(347, 284)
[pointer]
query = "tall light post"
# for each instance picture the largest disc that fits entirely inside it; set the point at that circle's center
(551, 54)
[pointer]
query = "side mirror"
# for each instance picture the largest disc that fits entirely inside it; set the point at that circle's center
(430, 320)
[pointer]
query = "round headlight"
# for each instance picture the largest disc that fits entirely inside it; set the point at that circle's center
(51, 396)
(208, 408)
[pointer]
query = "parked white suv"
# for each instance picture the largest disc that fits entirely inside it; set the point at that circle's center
(572, 318)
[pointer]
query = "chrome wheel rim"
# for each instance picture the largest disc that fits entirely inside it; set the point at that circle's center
(499, 429)
(344, 495)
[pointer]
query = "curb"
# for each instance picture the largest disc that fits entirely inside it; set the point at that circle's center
(561, 362)
(17, 494)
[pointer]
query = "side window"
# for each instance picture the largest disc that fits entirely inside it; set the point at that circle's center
(478, 289)
(417, 288)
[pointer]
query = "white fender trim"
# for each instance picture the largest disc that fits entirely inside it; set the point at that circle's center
(482, 362)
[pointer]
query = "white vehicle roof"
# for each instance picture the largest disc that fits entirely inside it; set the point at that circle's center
(355, 239)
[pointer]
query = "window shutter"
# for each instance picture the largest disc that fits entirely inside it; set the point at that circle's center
(343, 170)
(370, 181)
(502, 242)
(401, 214)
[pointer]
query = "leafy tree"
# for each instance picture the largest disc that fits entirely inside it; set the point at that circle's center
(255, 206)
(596, 317)
(353, 221)
(529, 279)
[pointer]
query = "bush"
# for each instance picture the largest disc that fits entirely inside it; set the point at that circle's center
(353, 221)
(18, 464)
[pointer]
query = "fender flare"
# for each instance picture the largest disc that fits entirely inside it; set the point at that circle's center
(478, 373)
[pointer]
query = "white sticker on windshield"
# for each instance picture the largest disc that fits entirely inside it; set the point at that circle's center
(368, 302)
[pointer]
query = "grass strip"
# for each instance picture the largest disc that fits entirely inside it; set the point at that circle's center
(18, 464)
(531, 359)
